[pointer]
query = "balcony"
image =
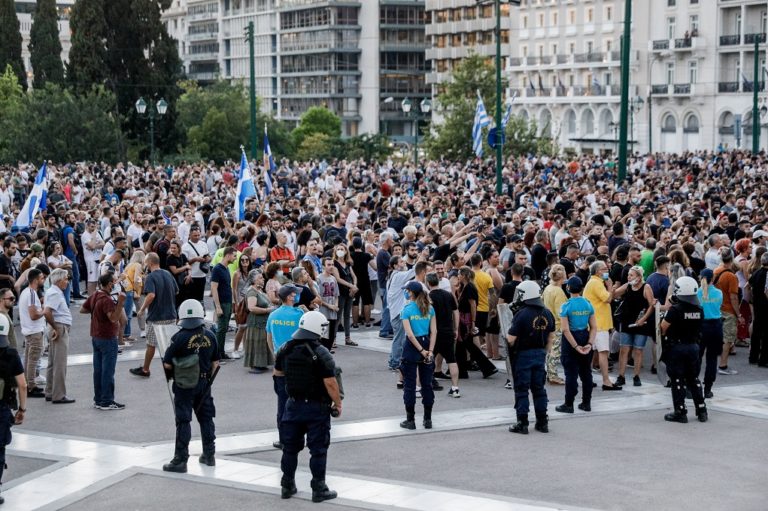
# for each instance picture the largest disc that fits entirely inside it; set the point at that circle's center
(203, 36)
(203, 56)
(200, 76)
(725, 87)
(752, 38)
(661, 44)
(682, 89)
(730, 40)
(660, 90)
(685, 42)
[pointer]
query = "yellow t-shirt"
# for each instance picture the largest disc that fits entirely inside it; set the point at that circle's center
(483, 283)
(554, 298)
(597, 295)
(134, 273)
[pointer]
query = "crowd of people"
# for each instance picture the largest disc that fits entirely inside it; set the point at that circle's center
(425, 254)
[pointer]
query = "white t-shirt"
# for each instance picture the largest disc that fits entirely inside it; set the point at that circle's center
(88, 254)
(202, 250)
(28, 325)
(135, 232)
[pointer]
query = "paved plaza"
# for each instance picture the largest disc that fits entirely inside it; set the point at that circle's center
(620, 456)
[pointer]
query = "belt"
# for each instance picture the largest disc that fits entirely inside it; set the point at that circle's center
(303, 400)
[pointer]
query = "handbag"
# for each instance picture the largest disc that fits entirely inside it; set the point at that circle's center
(241, 312)
(204, 267)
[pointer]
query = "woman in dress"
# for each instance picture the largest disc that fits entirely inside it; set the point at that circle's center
(329, 301)
(347, 281)
(258, 354)
(240, 287)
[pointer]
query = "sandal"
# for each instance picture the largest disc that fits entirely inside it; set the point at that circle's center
(350, 342)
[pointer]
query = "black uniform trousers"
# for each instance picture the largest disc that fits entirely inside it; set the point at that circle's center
(577, 366)
(6, 421)
(184, 403)
(683, 368)
(465, 347)
(313, 419)
(758, 346)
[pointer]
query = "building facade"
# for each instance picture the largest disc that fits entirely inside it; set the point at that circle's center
(24, 11)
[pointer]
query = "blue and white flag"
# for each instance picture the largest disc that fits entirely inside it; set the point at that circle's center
(481, 121)
(508, 113)
(746, 83)
(36, 200)
(245, 187)
(269, 164)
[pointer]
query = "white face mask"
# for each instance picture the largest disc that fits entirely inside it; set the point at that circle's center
(340, 253)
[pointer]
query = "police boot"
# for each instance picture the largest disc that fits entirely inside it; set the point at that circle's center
(565, 408)
(427, 417)
(288, 489)
(677, 416)
(321, 492)
(521, 426)
(177, 464)
(207, 459)
(410, 415)
(701, 414)
(542, 423)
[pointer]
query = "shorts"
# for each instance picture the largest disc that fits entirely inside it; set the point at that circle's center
(151, 336)
(93, 270)
(445, 346)
(636, 341)
(602, 342)
(481, 322)
(730, 326)
(493, 326)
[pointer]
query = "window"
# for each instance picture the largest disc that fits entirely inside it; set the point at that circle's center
(590, 46)
(572, 17)
(608, 45)
(737, 23)
(571, 48)
(525, 21)
(571, 80)
(524, 51)
(554, 49)
(671, 28)
(693, 71)
(554, 19)
(590, 15)
(670, 75)
(609, 13)
(671, 3)
(541, 20)
(694, 23)
(669, 125)
(541, 50)
(691, 124)
(608, 79)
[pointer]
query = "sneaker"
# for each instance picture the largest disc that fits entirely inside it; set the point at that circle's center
(708, 394)
(726, 371)
(143, 334)
(408, 424)
(236, 355)
(441, 376)
(112, 406)
(436, 385)
(139, 371)
(654, 370)
(454, 392)
(40, 380)
(620, 380)
(587, 407)
(636, 381)
(508, 385)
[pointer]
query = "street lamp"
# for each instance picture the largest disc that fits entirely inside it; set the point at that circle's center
(424, 107)
(141, 108)
(635, 105)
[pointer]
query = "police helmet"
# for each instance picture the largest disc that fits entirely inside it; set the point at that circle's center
(686, 289)
(191, 314)
(5, 328)
(528, 292)
(312, 325)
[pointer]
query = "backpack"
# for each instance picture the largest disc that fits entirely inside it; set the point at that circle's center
(717, 278)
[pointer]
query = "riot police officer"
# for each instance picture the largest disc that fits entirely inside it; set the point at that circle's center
(190, 360)
(11, 379)
(529, 338)
(313, 394)
(681, 327)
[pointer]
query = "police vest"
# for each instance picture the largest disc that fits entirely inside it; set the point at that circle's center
(684, 323)
(301, 375)
(536, 325)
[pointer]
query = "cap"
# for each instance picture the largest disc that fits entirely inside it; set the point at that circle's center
(36, 247)
(286, 290)
(759, 234)
(708, 274)
(414, 287)
(515, 238)
(575, 285)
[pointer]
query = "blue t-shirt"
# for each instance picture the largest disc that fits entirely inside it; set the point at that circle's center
(660, 285)
(68, 250)
(712, 305)
(419, 323)
(220, 274)
(282, 323)
(577, 310)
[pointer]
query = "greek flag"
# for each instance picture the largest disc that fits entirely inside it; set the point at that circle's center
(269, 164)
(481, 121)
(36, 200)
(245, 188)
(508, 113)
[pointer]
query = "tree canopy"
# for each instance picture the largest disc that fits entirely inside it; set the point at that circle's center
(45, 46)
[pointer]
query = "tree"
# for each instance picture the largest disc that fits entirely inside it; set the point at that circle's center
(315, 146)
(11, 95)
(45, 46)
(453, 139)
(88, 54)
(369, 147)
(280, 139)
(317, 119)
(10, 41)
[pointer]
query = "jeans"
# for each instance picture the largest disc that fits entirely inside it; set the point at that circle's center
(386, 326)
(75, 276)
(396, 351)
(222, 324)
(184, 403)
(128, 307)
(530, 374)
(345, 313)
(310, 418)
(710, 349)
(104, 361)
(758, 345)
(577, 366)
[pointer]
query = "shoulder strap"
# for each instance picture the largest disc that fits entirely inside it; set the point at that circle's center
(193, 248)
(717, 278)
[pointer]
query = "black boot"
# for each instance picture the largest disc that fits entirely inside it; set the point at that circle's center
(521, 426)
(177, 464)
(287, 489)
(207, 459)
(542, 423)
(701, 413)
(409, 422)
(427, 417)
(565, 408)
(586, 406)
(677, 416)
(320, 491)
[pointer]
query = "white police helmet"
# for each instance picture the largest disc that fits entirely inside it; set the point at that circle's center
(5, 328)
(527, 290)
(312, 325)
(191, 314)
(686, 289)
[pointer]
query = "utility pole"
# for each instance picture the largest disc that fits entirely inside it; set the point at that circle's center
(499, 145)
(755, 110)
(624, 107)
(249, 36)
(650, 121)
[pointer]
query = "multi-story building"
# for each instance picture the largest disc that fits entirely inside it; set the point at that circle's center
(348, 55)
(24, 11)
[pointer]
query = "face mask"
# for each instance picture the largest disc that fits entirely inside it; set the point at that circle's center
(406, 295)
(340, 253)
(605, 276)
(633, 282)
